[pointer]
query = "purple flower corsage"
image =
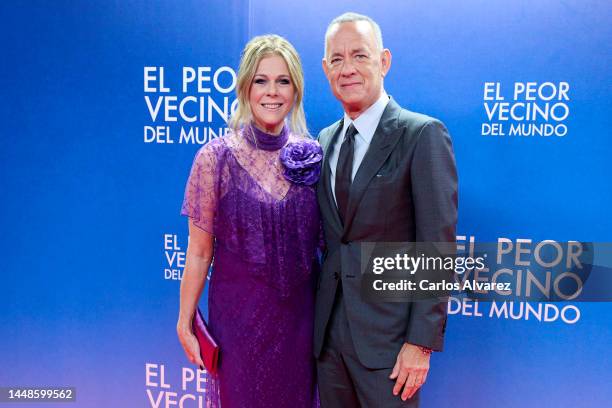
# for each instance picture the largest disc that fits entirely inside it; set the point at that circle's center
(302, 162)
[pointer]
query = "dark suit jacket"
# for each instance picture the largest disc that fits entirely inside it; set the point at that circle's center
(404, 191)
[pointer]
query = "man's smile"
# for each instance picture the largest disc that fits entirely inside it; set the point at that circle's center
(350, 85)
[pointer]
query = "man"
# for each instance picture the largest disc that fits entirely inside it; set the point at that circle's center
(388, 176)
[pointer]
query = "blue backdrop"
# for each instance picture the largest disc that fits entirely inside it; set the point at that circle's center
(91, 188)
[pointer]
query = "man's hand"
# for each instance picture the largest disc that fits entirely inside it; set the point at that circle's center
(410, 370)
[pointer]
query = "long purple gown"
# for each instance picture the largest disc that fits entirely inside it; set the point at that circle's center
(261, 295)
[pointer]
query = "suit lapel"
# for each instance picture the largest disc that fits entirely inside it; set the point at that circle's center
(385, 139)
(329, 210)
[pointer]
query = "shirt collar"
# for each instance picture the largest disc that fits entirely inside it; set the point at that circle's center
(367, 122)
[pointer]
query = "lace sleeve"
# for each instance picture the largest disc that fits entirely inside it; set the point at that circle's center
(202, 190)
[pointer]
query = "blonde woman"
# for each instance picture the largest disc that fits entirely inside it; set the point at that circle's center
(252, 207)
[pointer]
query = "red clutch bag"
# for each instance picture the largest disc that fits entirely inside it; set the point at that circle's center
(209, 349)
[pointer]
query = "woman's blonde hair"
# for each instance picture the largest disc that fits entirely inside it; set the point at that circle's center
(258, 48)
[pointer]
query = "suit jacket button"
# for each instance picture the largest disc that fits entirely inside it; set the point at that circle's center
(336, 275)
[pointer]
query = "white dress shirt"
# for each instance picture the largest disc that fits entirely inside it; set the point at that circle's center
(366, 125)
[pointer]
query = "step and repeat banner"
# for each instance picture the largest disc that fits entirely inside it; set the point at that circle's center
(106, 103)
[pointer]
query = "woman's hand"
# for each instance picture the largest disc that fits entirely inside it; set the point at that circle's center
(190, 343)
(199, 256)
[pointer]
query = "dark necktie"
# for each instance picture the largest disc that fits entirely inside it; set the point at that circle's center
(344, 169)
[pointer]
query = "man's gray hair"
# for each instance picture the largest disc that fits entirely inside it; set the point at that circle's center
(351, 17)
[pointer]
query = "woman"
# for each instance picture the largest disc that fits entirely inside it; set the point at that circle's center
(251, 202)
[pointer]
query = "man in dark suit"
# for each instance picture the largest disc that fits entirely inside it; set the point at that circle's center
(388, 176)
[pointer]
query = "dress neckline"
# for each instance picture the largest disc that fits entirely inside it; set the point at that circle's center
(265, 141)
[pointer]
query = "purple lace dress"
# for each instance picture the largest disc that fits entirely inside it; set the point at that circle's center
(261, 295)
